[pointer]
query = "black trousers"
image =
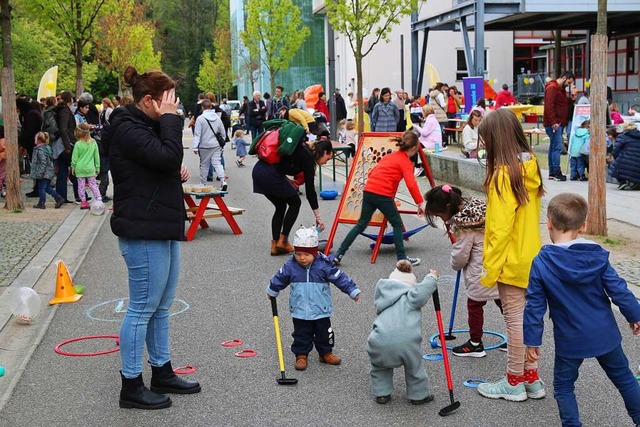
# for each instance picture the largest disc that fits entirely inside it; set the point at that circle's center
(283, 218)
(306, 333)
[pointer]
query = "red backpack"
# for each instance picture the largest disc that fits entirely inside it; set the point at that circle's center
(267, 147)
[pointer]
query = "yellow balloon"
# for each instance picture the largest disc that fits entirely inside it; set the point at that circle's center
(525, 81)
(51, 85)
(587, 84)
(490, 81)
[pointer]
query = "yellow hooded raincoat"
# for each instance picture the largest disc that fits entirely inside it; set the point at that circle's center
(512, 234)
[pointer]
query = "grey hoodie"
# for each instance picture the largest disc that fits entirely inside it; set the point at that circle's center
(203, 137)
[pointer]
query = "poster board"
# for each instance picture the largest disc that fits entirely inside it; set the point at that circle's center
(473, 90)
(372, 147)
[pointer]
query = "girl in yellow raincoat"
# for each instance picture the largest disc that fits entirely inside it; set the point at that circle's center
(512, 239)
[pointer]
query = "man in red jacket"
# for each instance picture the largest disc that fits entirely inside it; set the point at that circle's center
(556, 116)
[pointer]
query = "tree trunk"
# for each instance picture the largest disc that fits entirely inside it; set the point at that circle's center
(557, 53)
(272, 83)
(597, 217)
(77, 52)
(359, 94)
(13, 201)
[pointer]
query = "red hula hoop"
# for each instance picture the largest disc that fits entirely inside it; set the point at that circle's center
(58, 350)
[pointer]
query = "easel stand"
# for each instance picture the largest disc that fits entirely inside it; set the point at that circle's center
(371, 144)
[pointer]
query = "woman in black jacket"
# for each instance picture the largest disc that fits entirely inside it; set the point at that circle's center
(67, 129)
(273, 182)
(145, 152)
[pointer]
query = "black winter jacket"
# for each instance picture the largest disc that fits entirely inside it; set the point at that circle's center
(626, 153)
(67, 127)
(146, 157)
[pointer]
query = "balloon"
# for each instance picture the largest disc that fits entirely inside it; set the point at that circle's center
(311, 95)
(97, 208)
(490, 81)
(547, 80)
(25, 304)
(587, 84)
(51, 85)
(495, 81)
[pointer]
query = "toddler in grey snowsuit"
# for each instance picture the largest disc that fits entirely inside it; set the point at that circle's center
(396, 337)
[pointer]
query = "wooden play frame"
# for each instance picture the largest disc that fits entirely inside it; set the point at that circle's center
(376, 144)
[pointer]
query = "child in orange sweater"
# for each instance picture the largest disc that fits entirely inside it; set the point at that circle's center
(379, 193)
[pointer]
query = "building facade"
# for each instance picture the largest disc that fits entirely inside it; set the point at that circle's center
(306, 68)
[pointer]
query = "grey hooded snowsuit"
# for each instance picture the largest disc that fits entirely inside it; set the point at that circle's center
(396, 337)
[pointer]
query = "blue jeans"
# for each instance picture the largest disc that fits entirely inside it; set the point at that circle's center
(154, 266)
(555, 148)
(577, 167)
(386, 205)
(44, 188)
(615, 365)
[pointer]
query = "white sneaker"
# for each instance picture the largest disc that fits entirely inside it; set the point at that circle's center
(418, 171)
(413, 261)
(224, 186)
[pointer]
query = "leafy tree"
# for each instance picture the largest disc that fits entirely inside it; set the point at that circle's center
(126, 39)
(274, 32)
(185, 30)
(36, 49)
(75, 20)
(215, 74)
(365, 23)
(13, 200)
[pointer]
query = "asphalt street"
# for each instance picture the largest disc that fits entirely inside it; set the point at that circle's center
(221, 296)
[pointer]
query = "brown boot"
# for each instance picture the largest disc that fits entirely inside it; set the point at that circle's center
(283, 245)
(330, 359)
(301, 362)
(274, 249)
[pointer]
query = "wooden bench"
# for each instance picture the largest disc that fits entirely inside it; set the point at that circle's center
(191, 212)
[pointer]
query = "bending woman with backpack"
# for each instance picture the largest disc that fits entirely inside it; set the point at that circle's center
(273, 181)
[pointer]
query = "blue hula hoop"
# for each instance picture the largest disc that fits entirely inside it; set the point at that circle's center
(436, 344)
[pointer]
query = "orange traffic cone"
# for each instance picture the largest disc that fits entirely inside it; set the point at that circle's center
(64, 287)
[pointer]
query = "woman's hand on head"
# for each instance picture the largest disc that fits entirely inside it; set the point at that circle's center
(169, 103)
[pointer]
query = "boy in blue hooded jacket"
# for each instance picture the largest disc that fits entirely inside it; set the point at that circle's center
(309, 273)
(574, 277)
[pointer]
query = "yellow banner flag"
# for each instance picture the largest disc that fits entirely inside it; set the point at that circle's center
(48, 83)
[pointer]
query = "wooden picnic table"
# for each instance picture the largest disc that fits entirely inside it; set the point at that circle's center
(340, 152)
(197, 212)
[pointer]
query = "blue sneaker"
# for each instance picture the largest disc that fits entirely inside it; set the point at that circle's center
(503, 390)
(535, 390)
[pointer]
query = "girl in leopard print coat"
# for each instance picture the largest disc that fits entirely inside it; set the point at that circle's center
(465, 217)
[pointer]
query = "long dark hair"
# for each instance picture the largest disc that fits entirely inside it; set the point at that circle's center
(442, 199)
(321, 147)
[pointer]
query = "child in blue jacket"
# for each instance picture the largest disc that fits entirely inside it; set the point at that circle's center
(574, 277)
(308, 272)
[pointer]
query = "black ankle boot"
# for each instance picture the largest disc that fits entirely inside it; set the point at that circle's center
(164, 380)
(135, 395)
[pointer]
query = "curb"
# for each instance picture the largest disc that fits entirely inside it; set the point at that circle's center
(76, 234)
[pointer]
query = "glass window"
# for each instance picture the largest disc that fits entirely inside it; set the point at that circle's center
(622, 44)
(461, 64)
(621, 63)
(522, 52)
(611, 63)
